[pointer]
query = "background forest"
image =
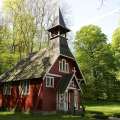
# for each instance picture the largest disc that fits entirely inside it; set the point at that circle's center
(23, 31)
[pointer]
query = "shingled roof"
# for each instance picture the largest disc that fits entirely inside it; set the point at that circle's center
(34, 66)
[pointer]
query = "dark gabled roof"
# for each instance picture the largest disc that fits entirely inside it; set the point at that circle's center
(35, 66)
(64, 48)
(64, 82)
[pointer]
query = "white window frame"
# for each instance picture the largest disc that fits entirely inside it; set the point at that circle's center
(7, 89)
(67, 67)
(49, 81)
(24, 87)
(63, 66)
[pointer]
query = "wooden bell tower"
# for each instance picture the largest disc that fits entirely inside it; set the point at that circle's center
(59, 28)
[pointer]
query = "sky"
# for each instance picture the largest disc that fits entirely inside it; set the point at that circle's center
(0, 4)
(84, 12)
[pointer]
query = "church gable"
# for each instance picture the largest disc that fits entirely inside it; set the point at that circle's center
(65, 65)
(66, 73)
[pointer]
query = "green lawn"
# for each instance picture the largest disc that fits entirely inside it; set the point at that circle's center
(105, 108)
(37, 116)
(92, 109)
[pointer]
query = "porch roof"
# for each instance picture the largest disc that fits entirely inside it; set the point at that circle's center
(64, 82)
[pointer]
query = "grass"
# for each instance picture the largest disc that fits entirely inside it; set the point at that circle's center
(105, 108)
(92, 109)
(37, 116)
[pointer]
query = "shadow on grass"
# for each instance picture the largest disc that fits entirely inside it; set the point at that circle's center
(116, 115)
(99, 115)
(89, 115)
(36, 116)
(14, 116)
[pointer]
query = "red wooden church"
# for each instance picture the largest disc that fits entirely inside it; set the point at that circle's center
(46, 81)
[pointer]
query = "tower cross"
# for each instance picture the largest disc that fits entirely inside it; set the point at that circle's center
(74, 70)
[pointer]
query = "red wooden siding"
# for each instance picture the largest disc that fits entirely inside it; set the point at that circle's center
(49, 96)
(23, 102)
(72, 64)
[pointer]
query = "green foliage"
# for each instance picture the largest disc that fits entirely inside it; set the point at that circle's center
(23, 27)
(116, 50)
(96, 60)
(24, 32)
(116, 40)
(7, 59)
(116, 46)
(17, 41)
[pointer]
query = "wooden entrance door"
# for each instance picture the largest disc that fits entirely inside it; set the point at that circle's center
(71, 100)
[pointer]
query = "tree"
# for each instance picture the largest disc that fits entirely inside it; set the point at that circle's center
(116, 51)
(95, 59)
(116, 45)
(7, 59)
(27, 22)
(23, 27)
(40, 14)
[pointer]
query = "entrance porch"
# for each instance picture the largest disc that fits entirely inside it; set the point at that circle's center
(69, 101)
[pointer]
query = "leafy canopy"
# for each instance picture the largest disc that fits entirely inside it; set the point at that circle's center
(95, 58)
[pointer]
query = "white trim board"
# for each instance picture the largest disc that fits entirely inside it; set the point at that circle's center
(76, 82)
(54, 75)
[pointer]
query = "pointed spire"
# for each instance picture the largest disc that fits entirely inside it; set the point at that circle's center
(59, 24)
(61, 20)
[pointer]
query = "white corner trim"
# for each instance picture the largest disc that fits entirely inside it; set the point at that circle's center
(76, 81)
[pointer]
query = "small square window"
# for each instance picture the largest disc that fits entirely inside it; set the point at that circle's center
(49, 81)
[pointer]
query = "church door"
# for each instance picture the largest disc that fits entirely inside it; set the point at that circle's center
(71, 100)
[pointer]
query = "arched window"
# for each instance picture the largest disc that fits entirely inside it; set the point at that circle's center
(63, 66)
